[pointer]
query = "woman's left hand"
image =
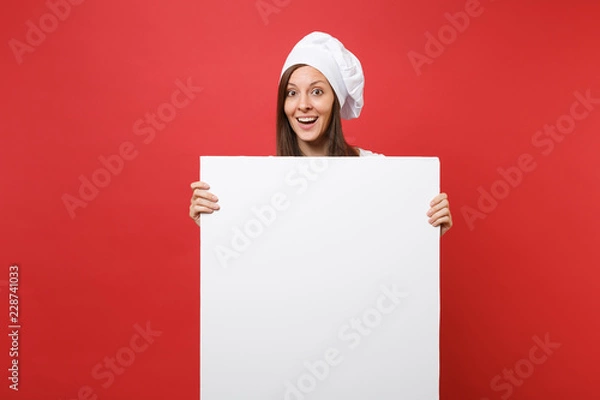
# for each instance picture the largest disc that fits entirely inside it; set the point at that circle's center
(439, 213)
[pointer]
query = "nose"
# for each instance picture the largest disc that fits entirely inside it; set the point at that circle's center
(304, 103)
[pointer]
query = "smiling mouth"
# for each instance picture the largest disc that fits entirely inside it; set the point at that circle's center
(307, 120)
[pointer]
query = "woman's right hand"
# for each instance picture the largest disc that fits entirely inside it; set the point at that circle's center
(202, 202)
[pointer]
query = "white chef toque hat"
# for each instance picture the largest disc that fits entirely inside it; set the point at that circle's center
(341, 68)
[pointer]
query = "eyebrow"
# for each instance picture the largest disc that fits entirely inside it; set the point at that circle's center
(312, 84)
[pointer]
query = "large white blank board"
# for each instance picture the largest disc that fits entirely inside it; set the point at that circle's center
(320, 279)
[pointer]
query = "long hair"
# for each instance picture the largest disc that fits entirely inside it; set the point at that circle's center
(287, 141)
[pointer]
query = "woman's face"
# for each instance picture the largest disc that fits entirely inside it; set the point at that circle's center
(308, 104)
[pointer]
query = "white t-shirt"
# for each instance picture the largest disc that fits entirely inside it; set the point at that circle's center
(367, 153)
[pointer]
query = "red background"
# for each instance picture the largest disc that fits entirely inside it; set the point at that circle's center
(131, 255)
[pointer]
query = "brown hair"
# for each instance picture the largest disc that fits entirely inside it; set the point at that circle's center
(287, 142)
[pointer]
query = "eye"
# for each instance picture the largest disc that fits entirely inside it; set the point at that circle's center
(291, 92)
(317, 92)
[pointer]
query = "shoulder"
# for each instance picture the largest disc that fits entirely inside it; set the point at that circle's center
(367, 153)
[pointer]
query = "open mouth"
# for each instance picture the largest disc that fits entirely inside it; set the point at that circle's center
(307, 120)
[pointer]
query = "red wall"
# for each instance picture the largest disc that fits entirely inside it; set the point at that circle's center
(98, 267)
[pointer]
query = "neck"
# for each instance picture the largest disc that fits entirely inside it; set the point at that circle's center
(314, 149)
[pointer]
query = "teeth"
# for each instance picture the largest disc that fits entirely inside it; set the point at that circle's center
(307, 119)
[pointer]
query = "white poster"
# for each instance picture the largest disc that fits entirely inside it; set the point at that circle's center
(320, 279)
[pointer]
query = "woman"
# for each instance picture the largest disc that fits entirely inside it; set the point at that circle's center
(321, 83)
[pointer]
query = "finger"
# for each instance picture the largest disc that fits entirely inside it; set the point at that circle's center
(203, 194)
(205, 203)
(193, 214)
(441, 213)
(438, 198)
(439, 206)
(199, 185)
(196, 211)
(441, 221)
